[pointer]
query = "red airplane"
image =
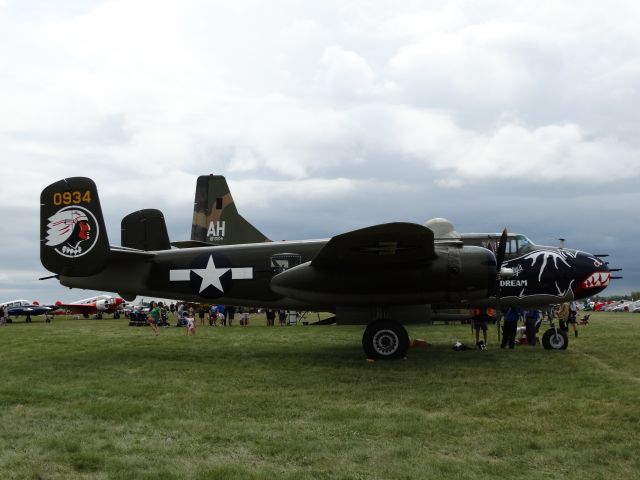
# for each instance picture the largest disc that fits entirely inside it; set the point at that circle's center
(92, 306)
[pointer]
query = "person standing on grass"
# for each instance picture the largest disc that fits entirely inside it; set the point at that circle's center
(480, 319)
(213, 316)
(164, 315)
(511, 316)
(271, 317)
(201, 312)
(154, 317)
(531, 319)
(282, 317)
(179, 310)
(231, 313)
(190, 326)
(563, 317)
(2, 319)
(244, 317)
(573, 314)
(221, 315)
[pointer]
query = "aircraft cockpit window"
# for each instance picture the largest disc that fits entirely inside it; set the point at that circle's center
(523, 243)
(515, 244)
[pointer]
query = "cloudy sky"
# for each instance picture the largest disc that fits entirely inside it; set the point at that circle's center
(325, 117)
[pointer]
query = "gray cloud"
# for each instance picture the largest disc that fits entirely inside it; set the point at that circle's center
(326, 117)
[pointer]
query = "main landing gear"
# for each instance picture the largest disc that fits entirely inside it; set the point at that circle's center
(385, 340)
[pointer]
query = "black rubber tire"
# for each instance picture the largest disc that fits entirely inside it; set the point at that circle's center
(385, 340)
(555, 339)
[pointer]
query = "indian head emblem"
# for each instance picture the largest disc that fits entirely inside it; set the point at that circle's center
(72, 231)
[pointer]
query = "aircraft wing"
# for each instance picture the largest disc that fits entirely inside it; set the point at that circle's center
(388, 245)
(31, 310)
(84, 308)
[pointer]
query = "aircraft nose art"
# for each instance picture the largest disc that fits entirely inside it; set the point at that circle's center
(597, 280)
(594, 275)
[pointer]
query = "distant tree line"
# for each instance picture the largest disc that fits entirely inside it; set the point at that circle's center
(631, 296)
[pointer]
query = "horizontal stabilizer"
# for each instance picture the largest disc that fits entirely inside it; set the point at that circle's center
(129, 254)
(386, 245)
(190, 244)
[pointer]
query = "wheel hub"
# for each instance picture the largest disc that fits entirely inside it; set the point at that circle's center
(556, 341)
(385, 342)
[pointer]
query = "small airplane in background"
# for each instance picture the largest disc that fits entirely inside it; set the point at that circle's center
(24, 308)
(382, 276)
(97, 305)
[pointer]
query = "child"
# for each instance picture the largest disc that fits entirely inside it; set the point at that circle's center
(244, 318)
(191, 326)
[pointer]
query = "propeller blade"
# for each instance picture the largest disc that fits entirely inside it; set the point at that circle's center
(501, 250)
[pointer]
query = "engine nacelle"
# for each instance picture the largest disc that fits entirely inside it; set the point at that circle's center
(457, 275)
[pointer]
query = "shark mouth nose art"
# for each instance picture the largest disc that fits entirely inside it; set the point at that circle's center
(597, 280)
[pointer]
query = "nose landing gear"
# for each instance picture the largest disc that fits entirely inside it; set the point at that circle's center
(555, 339)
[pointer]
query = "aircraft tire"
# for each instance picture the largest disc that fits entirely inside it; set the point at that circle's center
(555, 339)
(385, 340)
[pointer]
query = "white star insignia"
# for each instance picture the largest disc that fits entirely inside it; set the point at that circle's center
(210, 275)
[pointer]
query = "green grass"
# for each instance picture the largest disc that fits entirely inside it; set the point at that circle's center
(99, 399)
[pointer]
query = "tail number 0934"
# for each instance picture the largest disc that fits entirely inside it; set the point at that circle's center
(71, 198)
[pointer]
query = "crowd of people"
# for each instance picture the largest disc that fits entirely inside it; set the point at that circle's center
(531, 319)
(190, 315)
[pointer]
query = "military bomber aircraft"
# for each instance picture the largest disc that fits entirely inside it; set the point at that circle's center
(382, 276)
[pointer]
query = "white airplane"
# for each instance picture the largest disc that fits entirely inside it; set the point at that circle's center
(92, 306)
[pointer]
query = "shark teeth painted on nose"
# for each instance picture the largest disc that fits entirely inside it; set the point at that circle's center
(596, 280)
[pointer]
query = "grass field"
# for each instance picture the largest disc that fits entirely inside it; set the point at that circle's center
(99, 399)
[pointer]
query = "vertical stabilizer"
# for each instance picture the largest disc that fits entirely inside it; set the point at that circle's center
(215, 217)
(73, 237)
(145, 230)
